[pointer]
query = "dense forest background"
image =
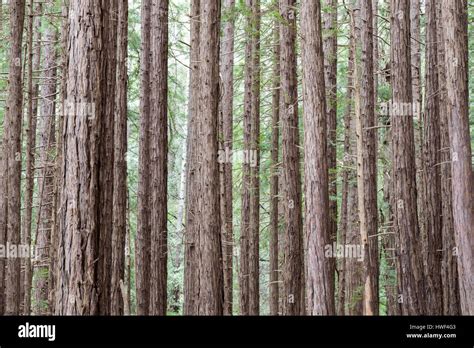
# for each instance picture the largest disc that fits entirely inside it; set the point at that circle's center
(349, 189)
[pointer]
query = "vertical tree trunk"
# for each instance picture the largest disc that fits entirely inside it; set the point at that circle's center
(274, 221)
(415, 61)
(329, 23)
(159, 156)
(76, 290)
(227, 93)
(58, 177)
(456, 50)
(431, 170)
(106, 157)
(254, 245)
(246, 170)
(206, 230)
(3, 219)
(449, 272)
(12, 145)
(366, 160)
(353, 271)
(293, 267)
(143, 206)
(34, 53)
(319, 282)
(3, 193)
(346, 171)
(410, 265)
(190, 268)
(47, 139)
(119, 228)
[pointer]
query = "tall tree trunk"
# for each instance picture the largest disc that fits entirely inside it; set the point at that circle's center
(449, 272)
(79, 226)
(3, 193)
(415, 62)
(254, 157)
(346, 171)
(456, 58)
(119, 228)
(293, 266)
(3, 207)
(209, 290)
(353, 271)
(34, 53)
(12, 153)
(366, 159)
(246, 170)
(46, 183)
(143, 205)
(431, 170)
(319, 282)
(190, 267)
(410, 264)
(58, 169)
(274, 214)
(329, 24)
(227, 93)
(159, 156)
(106, 157)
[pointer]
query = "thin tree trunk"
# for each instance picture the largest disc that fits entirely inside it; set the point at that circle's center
(274, 214)
(143, 238)
(119, 228)
(415, 62)
(346, 171)
(3, 193)
(106, 157)
(191, 238)
(159, 157)
(293, 265)
(227, 93)
(246, 170)
(329, 24)
(354, 284)
(34, 53)
(254, 158)
(431, 170)
(47, 139)
(12, 144)
(366, 159)
(456, 58)
(58, 177)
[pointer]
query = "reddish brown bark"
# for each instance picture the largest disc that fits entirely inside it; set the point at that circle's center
(410, 265)
(293, 265)
(462, 179)
(119, 228)
(227, 93)
(319, 282)
(143, 206)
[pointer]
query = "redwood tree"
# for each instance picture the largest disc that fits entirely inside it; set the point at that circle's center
(317, 218)
(293, 274)
(456, 58)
